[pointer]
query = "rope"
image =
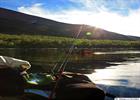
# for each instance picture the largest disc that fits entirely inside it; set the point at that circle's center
(68, 55)
(64, 63)
(69, 52)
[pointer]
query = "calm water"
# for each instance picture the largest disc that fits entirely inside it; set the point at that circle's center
(122, 80)
(116, 72)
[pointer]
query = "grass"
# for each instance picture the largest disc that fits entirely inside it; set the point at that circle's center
(41, 41)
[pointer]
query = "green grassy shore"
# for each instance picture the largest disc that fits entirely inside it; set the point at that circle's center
(41, 41)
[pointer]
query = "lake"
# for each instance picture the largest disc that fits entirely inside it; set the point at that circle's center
(115, 71)
(122, 80)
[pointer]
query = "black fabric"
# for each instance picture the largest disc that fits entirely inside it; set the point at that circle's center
(11, 82)
(79, 87)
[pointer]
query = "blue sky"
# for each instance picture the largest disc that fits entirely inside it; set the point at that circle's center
(122, 16)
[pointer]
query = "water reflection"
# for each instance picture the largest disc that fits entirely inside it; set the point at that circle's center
(44, 59)
(121, 80)
(116, 72)
(118, 52)
(122, 75)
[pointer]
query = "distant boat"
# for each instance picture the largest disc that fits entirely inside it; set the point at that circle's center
(86, 52)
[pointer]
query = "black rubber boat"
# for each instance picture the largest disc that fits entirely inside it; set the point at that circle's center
(14, 81)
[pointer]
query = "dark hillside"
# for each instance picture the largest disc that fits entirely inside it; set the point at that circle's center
(12, 22)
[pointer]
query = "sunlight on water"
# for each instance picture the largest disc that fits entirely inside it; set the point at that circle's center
(126, 74)
(118, 52)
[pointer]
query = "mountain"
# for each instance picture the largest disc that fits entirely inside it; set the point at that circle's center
(12, 22)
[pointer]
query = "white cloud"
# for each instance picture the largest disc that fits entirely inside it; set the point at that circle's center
(128, 25)
(86, 3)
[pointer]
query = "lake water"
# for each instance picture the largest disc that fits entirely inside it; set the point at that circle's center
(122, 80)
(115, 71)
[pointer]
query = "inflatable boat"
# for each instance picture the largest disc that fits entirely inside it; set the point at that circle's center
(15, 81)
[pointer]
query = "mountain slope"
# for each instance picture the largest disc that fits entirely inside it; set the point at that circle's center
(12, 22)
